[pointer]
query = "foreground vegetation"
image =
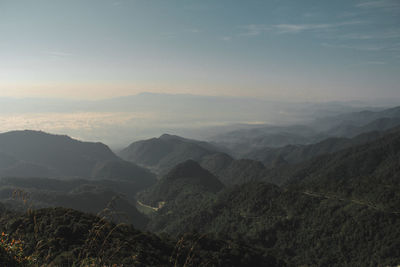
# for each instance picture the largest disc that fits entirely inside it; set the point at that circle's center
(65, 237)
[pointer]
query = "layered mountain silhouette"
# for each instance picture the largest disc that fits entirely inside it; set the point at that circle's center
(187, 177)
(356, 119)
(368, 173)
(334, 203)
(52, 154)
(125, 171)
(113, 199)
(245, 141)
(230, 171)
(275, 157)
(39, 154)
(163, 153)
(320, 196)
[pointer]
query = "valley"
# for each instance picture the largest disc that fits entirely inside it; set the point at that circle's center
(330, 202)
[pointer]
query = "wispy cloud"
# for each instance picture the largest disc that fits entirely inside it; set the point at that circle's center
(388, 6)
(375, 63)
(193, 30)
(380, 4)
(297, 28)
(58, 53)
(369, 63)
(356, 47)
(394, 34)
(253, 29)
(226, 38)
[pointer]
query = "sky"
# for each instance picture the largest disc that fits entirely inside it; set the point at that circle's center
(311, 50)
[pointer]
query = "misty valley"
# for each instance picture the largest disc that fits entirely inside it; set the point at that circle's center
(323, 193)
(199, 133)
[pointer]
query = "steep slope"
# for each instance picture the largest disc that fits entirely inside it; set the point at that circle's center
(302, 228)
(242, 171)
(49, 155)
(112, 198)
(367, 173)
(124, 171)
(299, 153)
(215, 163)
(340, 209)
(65, 237)
(163, 153)
(185, 178)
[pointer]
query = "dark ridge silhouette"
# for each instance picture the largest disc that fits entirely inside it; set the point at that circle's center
(163, 153)
(61, 154)
(186, 176)
(126, 171)
(298, 153)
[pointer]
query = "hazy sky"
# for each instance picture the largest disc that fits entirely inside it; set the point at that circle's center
(313, 50)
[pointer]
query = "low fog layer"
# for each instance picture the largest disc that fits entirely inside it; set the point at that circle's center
(119, 121)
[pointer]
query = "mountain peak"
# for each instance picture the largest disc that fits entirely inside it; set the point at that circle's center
(170, 137)
(189, 168)
(187, 176)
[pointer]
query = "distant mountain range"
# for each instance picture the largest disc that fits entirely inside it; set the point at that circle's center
(245, 141)
(118, 121)
(298, 153)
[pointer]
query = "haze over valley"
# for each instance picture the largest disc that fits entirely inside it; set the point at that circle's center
(199, 133)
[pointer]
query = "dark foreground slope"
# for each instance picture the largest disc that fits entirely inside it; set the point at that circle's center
(65, 237)
(92, 196)
(300, 227)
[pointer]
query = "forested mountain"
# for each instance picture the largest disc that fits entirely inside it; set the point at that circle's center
(92, 196)
(357, 119)
(232, 172)
(331, 203)
(65, 237)
(245, 141)
(297, 226)
(339, 209)
(299, 153)
(163, 153)
(119, 170)
(32, 153)
(186, 178)
(368, 173)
